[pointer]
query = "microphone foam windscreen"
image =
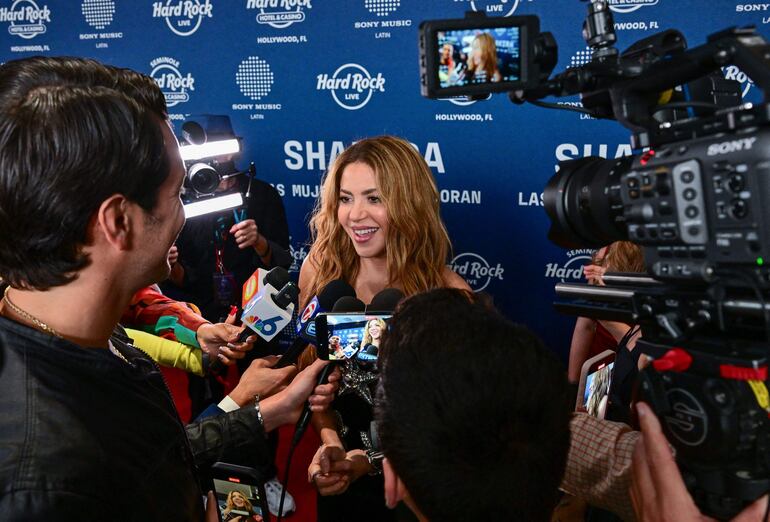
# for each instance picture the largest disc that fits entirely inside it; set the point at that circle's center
(277, 277)
(349, 304)
(332, 292)
(386, 300)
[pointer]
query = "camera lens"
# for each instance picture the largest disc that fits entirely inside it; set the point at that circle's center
(203, 178)
(584, 204)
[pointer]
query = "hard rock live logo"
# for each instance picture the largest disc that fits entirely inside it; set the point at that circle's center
(183, 17)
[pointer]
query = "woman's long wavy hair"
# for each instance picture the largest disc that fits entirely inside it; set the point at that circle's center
(624, 256)
(231, 503)
(488, 56)
(417, 243)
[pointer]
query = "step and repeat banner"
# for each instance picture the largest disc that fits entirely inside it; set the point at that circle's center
(302, 79)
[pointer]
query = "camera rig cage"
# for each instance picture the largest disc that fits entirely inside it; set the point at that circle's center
(696, 198)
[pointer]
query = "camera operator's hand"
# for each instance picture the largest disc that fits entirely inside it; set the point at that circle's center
(286, 406)
(332, 470)
(219, 341)
(657, 489)
(260, 378)
(245, 233)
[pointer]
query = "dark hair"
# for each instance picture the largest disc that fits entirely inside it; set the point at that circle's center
(472, 411)
(72, 133)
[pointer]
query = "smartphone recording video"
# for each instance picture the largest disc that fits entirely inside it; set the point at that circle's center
(347, 336)
(240, 494)
(594, 387)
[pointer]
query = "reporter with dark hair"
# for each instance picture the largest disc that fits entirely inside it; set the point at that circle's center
(469, 434)
(87, 425)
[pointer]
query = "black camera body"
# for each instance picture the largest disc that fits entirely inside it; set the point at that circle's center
(697, 206)
(696, 197)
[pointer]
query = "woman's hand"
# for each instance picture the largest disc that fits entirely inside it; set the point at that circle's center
(594, 274)
(332, 470)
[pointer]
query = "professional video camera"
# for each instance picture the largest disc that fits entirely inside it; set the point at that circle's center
(696, 197)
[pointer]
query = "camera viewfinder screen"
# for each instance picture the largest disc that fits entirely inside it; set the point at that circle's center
(355, 336)
(479, 56)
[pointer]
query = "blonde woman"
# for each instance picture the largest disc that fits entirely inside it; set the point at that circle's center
(376, 225)
(482, 60)
(600, 388)
(239, 509)
(370, 344)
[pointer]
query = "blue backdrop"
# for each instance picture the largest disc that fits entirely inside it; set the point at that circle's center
(269, 65)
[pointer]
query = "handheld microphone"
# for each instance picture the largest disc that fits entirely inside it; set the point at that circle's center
(270, 310)
(344, 304)
(385, 301)
(321, 303)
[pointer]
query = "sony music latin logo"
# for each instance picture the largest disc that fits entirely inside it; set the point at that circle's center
(254, 77)
(351, 85)
(279, 13)
(497, 7)
(629, 6)
(27, 19)
(176, 87)
(572, 270)
(183, 17)
(98, 13)
(382, 7)
(476, 270)
(732, 72)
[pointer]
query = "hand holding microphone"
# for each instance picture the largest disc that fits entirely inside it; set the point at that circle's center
(346, 303)
(270, 310)
(286, 406)
(265, 314)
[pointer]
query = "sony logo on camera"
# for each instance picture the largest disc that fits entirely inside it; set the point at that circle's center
(726, 147)
(184, 8)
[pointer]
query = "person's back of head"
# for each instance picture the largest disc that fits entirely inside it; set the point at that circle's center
(472, 412)
(72, 132)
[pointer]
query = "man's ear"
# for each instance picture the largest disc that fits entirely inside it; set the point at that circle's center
(115, 220)
(395, 491)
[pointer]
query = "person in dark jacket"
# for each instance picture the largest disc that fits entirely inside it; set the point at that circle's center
(90, 175)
